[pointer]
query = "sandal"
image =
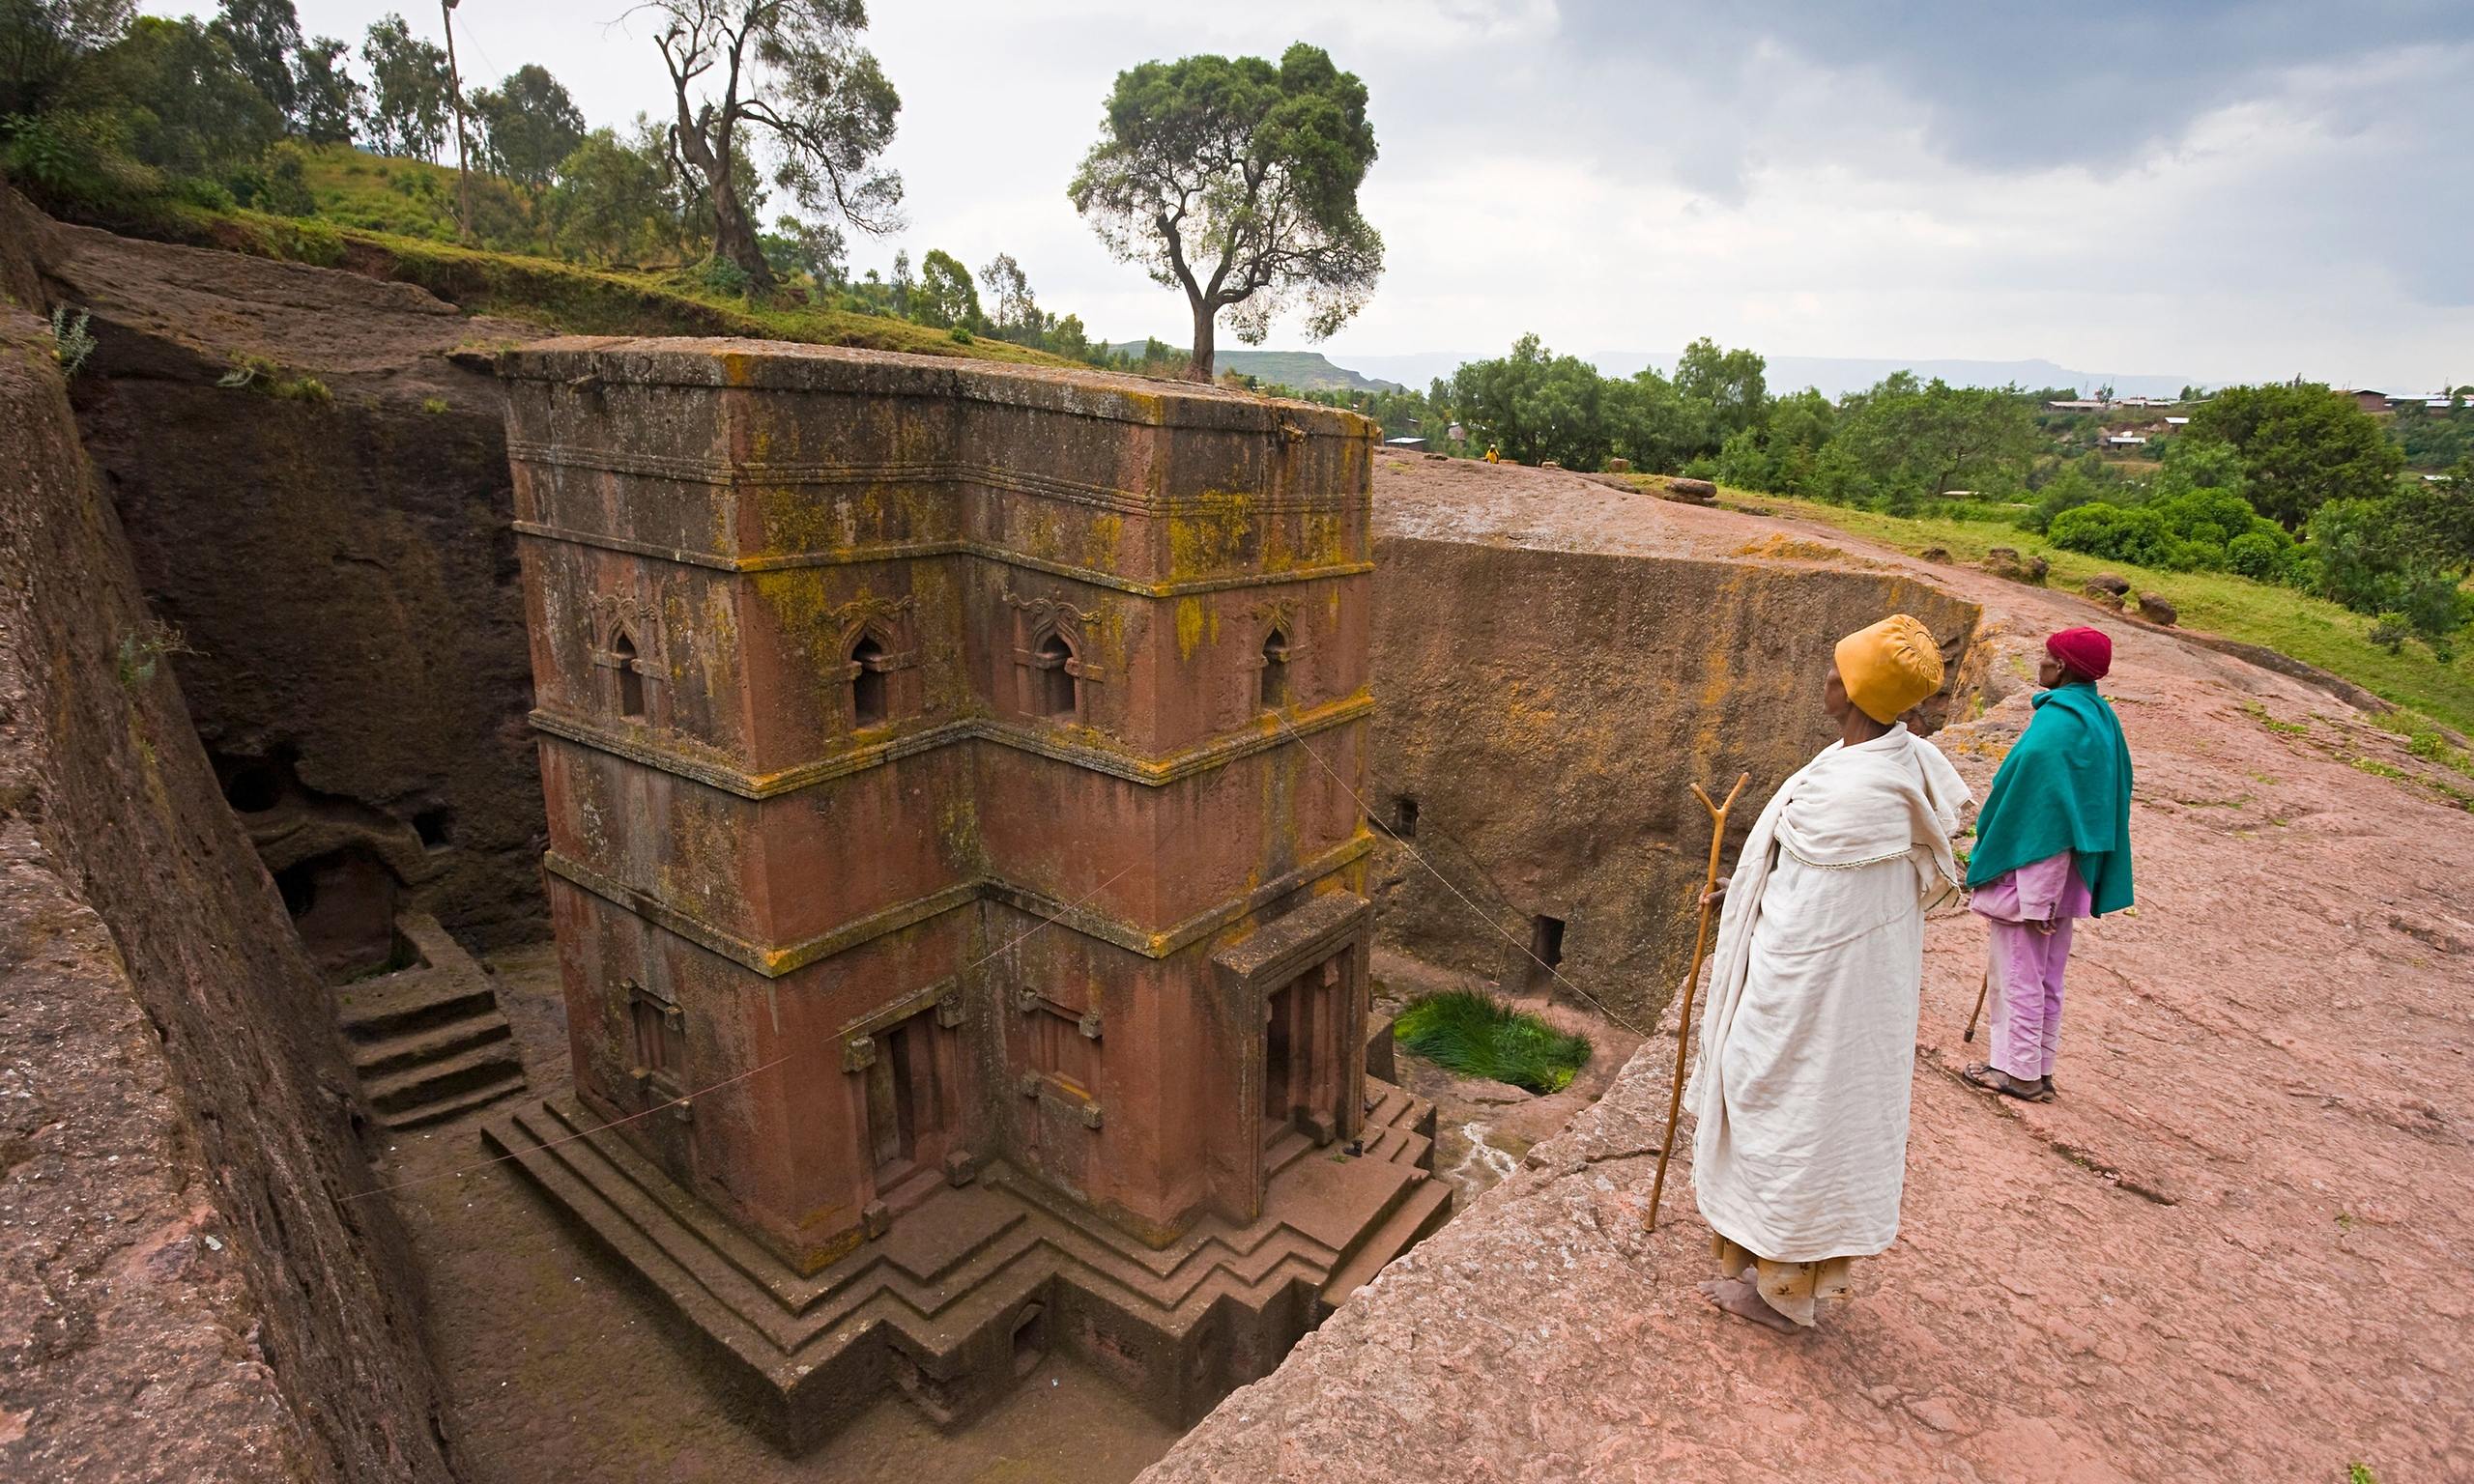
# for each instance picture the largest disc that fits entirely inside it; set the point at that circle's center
(1994, 1080)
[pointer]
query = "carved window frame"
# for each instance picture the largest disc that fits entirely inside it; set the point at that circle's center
(659, 1083)
(1037, 620)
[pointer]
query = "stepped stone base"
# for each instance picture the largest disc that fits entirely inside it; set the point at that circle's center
(966, 1292)
(428, 1041)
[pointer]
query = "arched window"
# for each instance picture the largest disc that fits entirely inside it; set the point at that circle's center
(1053, 661)
(867, 682)
(631, 680)
(1276, 669)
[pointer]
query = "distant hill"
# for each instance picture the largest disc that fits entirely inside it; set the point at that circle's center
(1303, 370)
(1834, 376)
(1299, 370)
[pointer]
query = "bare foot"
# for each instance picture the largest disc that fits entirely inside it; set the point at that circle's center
(1742, 1299)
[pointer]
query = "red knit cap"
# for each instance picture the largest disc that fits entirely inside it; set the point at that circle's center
(2086, 651)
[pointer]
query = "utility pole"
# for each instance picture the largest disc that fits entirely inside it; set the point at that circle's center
(455, 92)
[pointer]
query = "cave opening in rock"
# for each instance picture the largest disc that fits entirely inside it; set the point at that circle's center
(435, 828)
(343, 906)
(1404, 817)
(1545, 949)
(254, 785)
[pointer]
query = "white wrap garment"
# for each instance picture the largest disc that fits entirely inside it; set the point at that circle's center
(1809, 1035)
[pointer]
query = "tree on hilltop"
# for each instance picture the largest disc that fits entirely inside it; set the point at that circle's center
(528, 125)
(412, 101)
(1236, 180)
(2302, 446)
(793, 70)
(944, 298)
(265, 37)
(45, 43)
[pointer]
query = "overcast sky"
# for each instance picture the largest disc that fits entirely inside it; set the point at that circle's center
(2234, 191)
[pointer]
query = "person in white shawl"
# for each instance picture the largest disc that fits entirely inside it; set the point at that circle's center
(1809, 1035)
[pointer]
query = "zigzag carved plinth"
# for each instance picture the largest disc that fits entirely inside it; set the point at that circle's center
(968, 1289)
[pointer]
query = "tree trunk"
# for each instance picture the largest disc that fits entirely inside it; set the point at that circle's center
(1201, 370)
(734, 237)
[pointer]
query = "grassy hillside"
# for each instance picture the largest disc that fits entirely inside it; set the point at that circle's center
(561, 296)
(2310, 629)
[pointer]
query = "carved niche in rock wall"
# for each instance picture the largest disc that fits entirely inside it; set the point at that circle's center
(1242, 695)
(879, 644)
(1053, 659)
(626, 645)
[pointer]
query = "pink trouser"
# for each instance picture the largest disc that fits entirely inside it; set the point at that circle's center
(2027, 967)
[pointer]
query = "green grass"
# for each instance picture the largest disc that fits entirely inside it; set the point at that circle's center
(2308, 628)
(1476, 1035)
(367, 224)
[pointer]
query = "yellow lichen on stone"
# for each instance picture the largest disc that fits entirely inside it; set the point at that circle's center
(1212, 537)
(1190, 626)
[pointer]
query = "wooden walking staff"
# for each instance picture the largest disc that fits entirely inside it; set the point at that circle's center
(1683, 1017)
(1977, 1014)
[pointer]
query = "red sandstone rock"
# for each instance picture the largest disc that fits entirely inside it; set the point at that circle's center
(2182, 1270)
(185, 1292)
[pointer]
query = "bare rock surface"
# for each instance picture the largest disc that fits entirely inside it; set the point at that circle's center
(185, 1292)
(338, 556)
(2235, 1248)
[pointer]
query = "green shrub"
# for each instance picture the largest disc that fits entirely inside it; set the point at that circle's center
(71, 342)
(723, 276)
(1476, 1035)
(2256, 555)
(2390, 631)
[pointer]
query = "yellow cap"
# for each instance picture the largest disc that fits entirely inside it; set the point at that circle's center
(1889, 666)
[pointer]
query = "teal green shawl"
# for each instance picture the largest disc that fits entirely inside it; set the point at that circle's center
(2065, 787)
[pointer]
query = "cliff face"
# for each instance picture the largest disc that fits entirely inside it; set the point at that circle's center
(2194, 1264)
(186, 1290)
(1556, 662)
(317, 497)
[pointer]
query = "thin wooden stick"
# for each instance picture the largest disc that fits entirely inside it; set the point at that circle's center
(1683, 1017)
(1981, 991)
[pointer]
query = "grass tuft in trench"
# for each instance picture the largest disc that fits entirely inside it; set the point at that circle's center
(1476, 1035)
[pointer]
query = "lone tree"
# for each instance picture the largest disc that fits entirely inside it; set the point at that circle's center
(795, 71)
(1237, 181)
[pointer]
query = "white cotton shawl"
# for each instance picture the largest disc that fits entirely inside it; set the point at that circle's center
(1807, 1036)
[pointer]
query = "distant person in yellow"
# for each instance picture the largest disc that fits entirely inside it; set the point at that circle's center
(1808, 1037)
(1494, 454)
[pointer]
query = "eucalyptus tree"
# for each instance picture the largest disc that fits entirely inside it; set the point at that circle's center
(1237, 181)
(791, 73)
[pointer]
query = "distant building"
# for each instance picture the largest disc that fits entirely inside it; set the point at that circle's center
(2368, 400)
(2126, 440)
(1456, 433)
(1404, 442)
(2077, 404)
(2178, 422)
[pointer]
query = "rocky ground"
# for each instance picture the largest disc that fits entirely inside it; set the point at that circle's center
(2235, 1248)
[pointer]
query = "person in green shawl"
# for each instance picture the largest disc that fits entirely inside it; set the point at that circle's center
(2053, 844)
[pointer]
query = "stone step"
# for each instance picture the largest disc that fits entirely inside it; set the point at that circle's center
(763, 1291)
(1427, 1207)
(1399, 1145)
(455, 1104)
(1284, 1151)
(414, 999)
(520, 1140)
(429, 1045)
(409, 1092)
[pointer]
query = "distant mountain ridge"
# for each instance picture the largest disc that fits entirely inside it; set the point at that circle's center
(1834, 376)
